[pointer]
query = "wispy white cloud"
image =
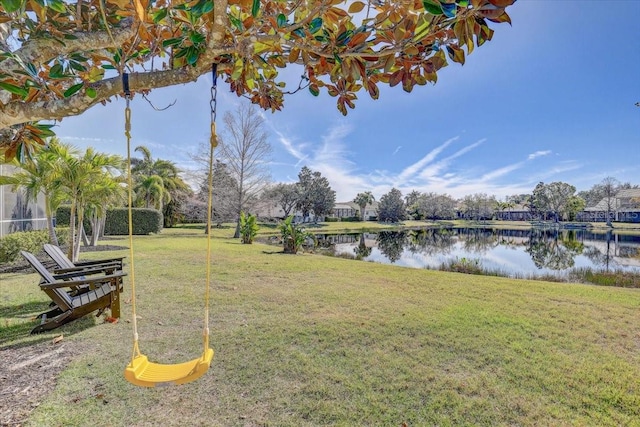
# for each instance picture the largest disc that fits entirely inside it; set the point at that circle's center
(434, 170)
(290, 147)
(500, 172)
(396, 150)
(539, 154)
(414, 168)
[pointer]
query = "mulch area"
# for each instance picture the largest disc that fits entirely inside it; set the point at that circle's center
(29, 372)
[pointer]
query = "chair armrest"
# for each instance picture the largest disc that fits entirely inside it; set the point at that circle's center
(100, 261)
(70, 283)
(88, 268)
(82, 274)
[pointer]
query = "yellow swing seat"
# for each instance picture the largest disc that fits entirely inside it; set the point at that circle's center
(143, 373)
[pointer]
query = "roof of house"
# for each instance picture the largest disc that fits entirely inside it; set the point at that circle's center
(354, 205)
(629, 192)
(602, 205)
(343, 206)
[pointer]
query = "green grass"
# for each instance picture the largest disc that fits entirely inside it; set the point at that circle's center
(308, 340)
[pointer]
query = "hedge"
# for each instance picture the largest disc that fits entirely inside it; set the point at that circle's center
(30, 241)
(145, 221)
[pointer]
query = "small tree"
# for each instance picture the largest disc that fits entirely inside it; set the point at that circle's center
(314, 194)
(362, 200)
(285, 196)
(391, 208)
(248, 228)
(293, 235)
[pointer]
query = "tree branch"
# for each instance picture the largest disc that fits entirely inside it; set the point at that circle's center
(21, 112)
(37, 51)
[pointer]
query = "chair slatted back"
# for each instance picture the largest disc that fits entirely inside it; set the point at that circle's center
(61, 298)
(58, 256)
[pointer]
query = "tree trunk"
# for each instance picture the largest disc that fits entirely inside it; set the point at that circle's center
(237, 232)
(53, 239)
(72, 230)
(95, 230)
(80, 234)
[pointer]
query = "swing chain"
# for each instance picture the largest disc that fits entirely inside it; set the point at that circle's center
(213, 104)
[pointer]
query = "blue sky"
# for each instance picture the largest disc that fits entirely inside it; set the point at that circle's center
(550, 98)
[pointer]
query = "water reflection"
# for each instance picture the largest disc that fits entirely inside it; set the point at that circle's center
(513, 252)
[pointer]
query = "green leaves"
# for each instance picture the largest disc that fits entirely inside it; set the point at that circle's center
(17, 90)
(433, 7)
(255, 9)
(12, 5)
(72, 90)
(57, 72)
(57, 5)
(436, 7)
(315, 25)
(172, 42)
(159, 15)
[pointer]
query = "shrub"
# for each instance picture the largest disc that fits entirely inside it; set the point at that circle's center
(30, 241)
(331, 219)
(350, 219)
(248, 228)
(293, 235)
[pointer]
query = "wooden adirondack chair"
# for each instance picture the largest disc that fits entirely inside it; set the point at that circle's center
(65, 265)
(103, 292)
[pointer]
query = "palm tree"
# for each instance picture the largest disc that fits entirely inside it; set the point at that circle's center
(362, 200)
(158, 182)
(151, 191)
(105, 192)
(77, 175)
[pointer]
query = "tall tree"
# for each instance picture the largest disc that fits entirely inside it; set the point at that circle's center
(363, 200)
(410, 201)
(158, 184)
(224, 195)
(435, 206)
(246, 151)
(479, 206)
(56, 68)
(610, 187)
(554, 198)
(391, 207)
(314, 194)
(285, 196)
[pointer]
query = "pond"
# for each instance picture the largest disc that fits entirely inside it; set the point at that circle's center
(512, 253)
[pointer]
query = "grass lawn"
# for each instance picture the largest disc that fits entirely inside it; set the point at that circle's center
(307, 340)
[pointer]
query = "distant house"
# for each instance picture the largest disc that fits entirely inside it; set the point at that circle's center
(623, 207)
(351, 209)
(345, 210)
(515, 213)
(16, 213)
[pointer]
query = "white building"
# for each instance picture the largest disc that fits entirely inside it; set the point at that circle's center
(16, 214)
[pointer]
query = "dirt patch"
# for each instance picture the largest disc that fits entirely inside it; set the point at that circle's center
(28, 374)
